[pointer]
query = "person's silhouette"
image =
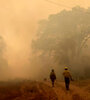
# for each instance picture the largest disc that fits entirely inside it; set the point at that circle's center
(52, 77)
(67, 77)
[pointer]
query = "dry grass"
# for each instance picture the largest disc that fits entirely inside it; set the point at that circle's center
(26, 91)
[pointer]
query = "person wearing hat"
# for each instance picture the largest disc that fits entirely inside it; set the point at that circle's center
(67, 77)
(52, 77)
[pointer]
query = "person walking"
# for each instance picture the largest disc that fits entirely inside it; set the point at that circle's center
(52, 77)
(67, 77)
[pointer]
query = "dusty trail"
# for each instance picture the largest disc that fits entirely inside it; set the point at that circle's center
(75, 93)
(28, 90)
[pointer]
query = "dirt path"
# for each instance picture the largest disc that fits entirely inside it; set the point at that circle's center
(75, 93)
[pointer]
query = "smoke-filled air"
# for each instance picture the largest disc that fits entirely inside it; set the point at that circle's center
(44, 49)
(37, 36)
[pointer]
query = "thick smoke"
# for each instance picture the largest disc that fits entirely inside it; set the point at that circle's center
(18, 25)
(4, 68)
(63, 40)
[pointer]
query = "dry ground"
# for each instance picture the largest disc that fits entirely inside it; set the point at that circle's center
(27, 90)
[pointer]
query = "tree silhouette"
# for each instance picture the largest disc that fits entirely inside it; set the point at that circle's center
(63, 36)
(4, 70)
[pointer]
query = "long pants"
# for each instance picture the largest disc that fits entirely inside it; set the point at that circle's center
(52, 82)
(67, 82)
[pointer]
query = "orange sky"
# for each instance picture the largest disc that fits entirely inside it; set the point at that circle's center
(19, 22)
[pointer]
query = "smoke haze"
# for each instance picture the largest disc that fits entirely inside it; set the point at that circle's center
(18, 26)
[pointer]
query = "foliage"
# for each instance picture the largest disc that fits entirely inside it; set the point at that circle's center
(63, 37)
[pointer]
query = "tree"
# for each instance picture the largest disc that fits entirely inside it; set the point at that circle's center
(4, 70)
(62, 38)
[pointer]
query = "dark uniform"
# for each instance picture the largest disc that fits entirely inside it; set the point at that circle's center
(52, 77)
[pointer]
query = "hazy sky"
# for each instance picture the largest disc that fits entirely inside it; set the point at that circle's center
(19, 23)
